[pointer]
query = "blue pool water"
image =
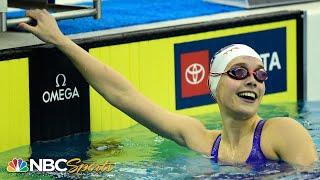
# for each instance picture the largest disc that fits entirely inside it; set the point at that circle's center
(140, 154)
(122, 13)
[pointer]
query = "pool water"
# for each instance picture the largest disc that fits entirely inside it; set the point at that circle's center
(123, 13)
(141, 154)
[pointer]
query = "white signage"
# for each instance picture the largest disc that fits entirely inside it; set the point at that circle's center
(271, 61)
(194, 74)
(47, 165)
(62, 92)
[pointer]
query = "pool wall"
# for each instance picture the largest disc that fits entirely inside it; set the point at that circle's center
(312, 53)
(45, 97)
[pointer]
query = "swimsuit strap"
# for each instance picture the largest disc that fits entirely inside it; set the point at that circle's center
(215, 149)
(256, 154)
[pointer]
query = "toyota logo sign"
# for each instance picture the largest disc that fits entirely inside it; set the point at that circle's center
(194, 74)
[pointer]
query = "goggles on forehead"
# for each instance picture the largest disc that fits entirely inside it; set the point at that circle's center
(239, 73)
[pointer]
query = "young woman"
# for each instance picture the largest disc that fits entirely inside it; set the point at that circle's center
(236, 82)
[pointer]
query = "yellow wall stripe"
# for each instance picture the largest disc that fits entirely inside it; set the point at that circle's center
(14, 104)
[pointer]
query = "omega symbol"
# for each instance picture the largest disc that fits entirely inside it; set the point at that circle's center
(63, 80)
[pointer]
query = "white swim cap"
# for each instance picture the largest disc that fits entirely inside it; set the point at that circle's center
(222, 59)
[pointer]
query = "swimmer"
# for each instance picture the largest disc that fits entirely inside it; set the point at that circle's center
(236, 82)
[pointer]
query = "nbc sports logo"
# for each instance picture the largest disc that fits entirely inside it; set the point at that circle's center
(17, 165)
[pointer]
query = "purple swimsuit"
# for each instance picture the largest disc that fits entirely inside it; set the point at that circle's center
(256, 154)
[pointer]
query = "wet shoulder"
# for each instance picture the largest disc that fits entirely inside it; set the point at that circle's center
(272, 132)
(276, 125)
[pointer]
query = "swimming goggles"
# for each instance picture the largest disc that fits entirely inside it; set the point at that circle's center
(240, 73)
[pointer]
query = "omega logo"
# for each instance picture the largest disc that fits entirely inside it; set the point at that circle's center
(62, 93)
(63, 80)
(194, 73)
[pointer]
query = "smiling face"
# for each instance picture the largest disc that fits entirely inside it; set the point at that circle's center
(241, 98)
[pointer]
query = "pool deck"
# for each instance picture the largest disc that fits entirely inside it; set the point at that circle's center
(22, 39)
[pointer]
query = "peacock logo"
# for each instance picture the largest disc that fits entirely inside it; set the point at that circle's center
(17, 165)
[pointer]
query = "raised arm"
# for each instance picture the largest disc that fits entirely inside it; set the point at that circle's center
(119, 92)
